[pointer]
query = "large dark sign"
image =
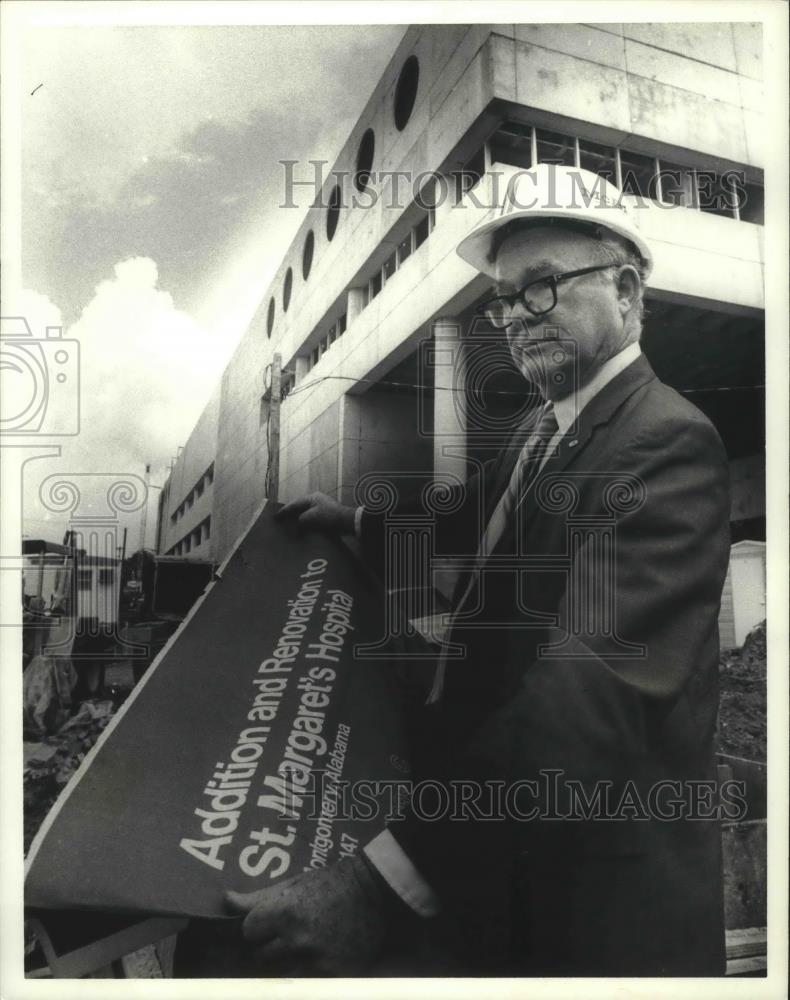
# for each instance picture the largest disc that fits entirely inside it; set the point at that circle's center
(228, 766)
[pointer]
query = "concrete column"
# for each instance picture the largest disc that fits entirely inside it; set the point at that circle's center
(301, 368)
(445, 197)
(355, 303)
(349, 447)
(449, 401)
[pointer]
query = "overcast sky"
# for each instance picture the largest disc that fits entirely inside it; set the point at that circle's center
(150, 226)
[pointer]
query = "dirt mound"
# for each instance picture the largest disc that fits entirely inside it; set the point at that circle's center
(742, 706)
(49, 764)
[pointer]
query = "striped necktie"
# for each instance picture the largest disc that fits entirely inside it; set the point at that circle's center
(528, 464)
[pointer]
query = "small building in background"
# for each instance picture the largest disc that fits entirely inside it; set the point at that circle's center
(65, 594)
(57, 578)
(743, 600)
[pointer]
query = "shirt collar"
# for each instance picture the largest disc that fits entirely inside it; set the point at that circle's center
(567, 410)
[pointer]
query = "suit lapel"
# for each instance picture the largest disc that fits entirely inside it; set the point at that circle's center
(598, 411)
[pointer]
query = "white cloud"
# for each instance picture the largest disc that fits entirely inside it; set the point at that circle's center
(105, 175)
(38, 311)
(112, 95)
(147, 369)
(139, 353)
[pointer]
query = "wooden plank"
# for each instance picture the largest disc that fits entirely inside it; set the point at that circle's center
(743, 942)
(748, 966)
(747, 951)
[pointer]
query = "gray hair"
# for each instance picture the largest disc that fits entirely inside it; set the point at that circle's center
(614, 249)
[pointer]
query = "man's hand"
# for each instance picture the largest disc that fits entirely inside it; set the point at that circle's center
(317, 510)
(325, 923)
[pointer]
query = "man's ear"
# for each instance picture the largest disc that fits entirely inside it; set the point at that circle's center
(629, 285)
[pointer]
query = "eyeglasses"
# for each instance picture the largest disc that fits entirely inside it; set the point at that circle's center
(538, 297)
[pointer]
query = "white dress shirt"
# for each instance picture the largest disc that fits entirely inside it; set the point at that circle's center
(384, 851)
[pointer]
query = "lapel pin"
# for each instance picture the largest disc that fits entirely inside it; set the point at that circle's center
(572, 444)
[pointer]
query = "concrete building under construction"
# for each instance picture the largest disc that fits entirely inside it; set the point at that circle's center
(669, 112)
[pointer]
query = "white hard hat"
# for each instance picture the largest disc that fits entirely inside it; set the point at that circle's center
(551, 191)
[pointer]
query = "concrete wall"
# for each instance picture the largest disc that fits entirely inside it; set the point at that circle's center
(381, 434)
(195, 458)
(705, 258)
(747, 487)
(695, 87)
(240, 467)
(745, 851)
(311, 460)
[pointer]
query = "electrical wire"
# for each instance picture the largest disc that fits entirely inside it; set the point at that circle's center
(493, 392)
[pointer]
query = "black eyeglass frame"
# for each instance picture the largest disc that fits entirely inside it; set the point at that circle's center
(552, 279)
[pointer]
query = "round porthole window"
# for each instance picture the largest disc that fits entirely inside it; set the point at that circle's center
(307, 254)
(287, 285)
(270, 318)
(364, 160)
(406, 92)
(333, 212)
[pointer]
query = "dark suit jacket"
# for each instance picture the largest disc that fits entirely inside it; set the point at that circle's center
(625, 700)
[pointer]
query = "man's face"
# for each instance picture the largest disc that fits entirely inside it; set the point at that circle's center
(587, 315)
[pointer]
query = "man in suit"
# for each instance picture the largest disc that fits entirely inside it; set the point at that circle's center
(588, 688)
